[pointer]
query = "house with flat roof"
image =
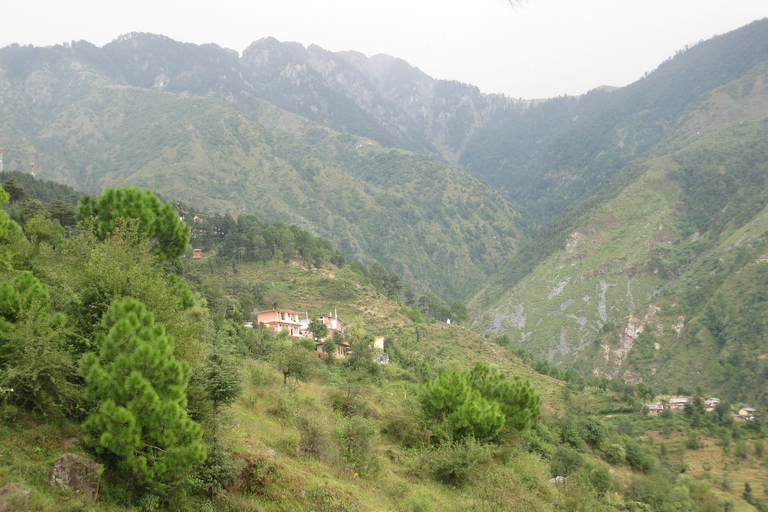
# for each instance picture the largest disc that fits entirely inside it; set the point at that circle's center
(279, 319)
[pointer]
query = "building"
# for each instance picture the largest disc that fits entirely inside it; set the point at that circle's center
(279, 319)
(343, 348)
(655, 408)
(678, 404)
(747, 413)
(332, 322)
(197, 254)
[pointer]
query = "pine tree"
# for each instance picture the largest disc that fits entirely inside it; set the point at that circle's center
(451, 400)
(517, 398)
(141, 388)
(167, 234)
(222, 381)
(480, 402)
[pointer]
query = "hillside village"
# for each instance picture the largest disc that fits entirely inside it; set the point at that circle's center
(296, 326)
(686, 404)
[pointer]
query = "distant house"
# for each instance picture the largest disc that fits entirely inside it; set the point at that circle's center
(332, 322)
(678, 404)
(197, 254)
(380, 356)
(655, 408)
(343, 348)
(747, 413)
(279, 319)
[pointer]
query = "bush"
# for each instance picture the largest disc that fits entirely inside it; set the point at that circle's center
(315, 438)
(217, 472)
(404, 427)
(692, 443)
(638, 457)
(451, 463)
(601, 479)
(257, 473)
(614, 453)
(565, 461)
(357, 437)
(325, 499)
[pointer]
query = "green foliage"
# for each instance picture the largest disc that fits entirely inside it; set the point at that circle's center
(34, 359)
(295, 361)
(221, 379)
(159, 223)
(565, 461)
(517, 398)
(94, 274)
(357, 438)
(601, 479)
(450, 400)
(454, 462)
(140, 389)
(318, 329)
(479, 403)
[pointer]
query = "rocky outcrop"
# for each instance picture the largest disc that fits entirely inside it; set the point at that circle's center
(80, 474)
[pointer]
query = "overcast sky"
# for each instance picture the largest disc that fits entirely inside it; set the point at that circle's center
(543, 48)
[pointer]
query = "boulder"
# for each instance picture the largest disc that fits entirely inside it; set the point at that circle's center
(80, 474)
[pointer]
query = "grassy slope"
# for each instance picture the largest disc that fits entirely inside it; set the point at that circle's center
(323, 291)
(272, 416)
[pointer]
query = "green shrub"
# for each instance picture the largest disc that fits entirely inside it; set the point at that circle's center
(357, 439)
(638, 457)
(565, 461)
(453, 462)
(614, 453)
(601, 479)
(323, 498)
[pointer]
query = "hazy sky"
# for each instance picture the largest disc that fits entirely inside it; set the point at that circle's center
(543, 48)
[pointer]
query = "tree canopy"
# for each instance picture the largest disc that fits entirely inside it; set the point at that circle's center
(167, 234)
(141, 392)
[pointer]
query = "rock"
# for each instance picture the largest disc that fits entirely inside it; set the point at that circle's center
(269, 454)
(78, 473)
(14, 498)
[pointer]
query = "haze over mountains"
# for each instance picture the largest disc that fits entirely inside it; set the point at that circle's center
(581, 221)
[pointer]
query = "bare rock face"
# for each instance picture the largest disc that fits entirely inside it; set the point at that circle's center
(14, 498)
(78, 473)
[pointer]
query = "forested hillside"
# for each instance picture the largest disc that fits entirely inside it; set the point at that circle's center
(658, 277)
(139, 370)
(560, 151)
(440, 229)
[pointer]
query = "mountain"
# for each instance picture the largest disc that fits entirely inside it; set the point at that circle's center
(659, 276)
(90, 120)
(616, 185)
(552, 155)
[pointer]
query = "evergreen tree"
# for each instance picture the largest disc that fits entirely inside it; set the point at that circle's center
(167, 234)
(480, 402)
(451, 400)
(517, 398)
(222, 381)
(141, 389)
